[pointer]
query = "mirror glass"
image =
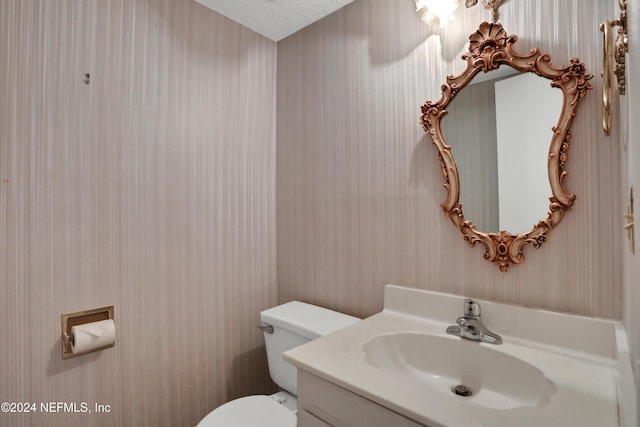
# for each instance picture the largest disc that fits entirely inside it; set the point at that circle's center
(499, 129)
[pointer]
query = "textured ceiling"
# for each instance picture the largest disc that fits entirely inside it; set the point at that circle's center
(275, 19)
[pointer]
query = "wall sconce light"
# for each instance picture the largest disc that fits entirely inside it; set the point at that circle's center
(437, 12)
(440, 12)
(488, 4)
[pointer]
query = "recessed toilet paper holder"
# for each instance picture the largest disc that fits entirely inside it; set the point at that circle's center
(69, 320)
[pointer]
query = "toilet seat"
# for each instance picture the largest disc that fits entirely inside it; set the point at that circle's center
(250, 411)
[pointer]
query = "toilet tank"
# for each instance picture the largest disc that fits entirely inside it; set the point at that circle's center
(294, 324)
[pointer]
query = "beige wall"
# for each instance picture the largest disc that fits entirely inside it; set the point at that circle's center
(152, 188)
(631, 159)
(359, 184)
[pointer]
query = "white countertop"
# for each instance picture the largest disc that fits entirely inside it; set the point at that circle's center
(584, 371)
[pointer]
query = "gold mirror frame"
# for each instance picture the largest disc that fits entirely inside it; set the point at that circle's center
(490, 47)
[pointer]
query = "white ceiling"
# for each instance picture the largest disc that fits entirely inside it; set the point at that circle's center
(275, 19)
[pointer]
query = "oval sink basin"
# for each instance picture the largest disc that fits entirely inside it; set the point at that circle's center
(442, 364)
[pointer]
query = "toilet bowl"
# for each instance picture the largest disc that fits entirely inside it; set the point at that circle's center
(250, 411)
(285, 327)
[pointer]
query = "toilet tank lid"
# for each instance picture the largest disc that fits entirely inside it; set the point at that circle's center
(307, 320)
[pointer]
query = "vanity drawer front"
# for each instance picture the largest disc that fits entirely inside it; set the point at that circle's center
(307, 419)
(341, 408)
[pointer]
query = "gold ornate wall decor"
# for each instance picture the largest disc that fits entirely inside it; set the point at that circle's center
(614, 62)
(490, 47)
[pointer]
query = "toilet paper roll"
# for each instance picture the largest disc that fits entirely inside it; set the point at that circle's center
(90, 336)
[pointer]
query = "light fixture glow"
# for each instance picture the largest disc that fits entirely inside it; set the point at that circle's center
(437, 12)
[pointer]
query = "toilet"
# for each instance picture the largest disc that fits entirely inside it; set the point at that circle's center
(285, 327)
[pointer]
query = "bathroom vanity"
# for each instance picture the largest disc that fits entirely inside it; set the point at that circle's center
(400, 368)
(324, 404)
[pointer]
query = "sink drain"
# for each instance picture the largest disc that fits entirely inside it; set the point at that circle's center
(461, 390)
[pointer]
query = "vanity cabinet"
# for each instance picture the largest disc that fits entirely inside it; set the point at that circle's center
(324, 404)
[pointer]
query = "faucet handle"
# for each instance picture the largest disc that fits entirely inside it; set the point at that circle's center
(471, 308)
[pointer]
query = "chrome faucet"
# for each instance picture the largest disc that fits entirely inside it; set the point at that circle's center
(469, 326)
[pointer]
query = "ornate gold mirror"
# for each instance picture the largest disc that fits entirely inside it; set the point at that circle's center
(486, 196)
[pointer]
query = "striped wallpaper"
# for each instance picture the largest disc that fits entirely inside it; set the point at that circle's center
(151, 188)
(155, 188)
(359, 185)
